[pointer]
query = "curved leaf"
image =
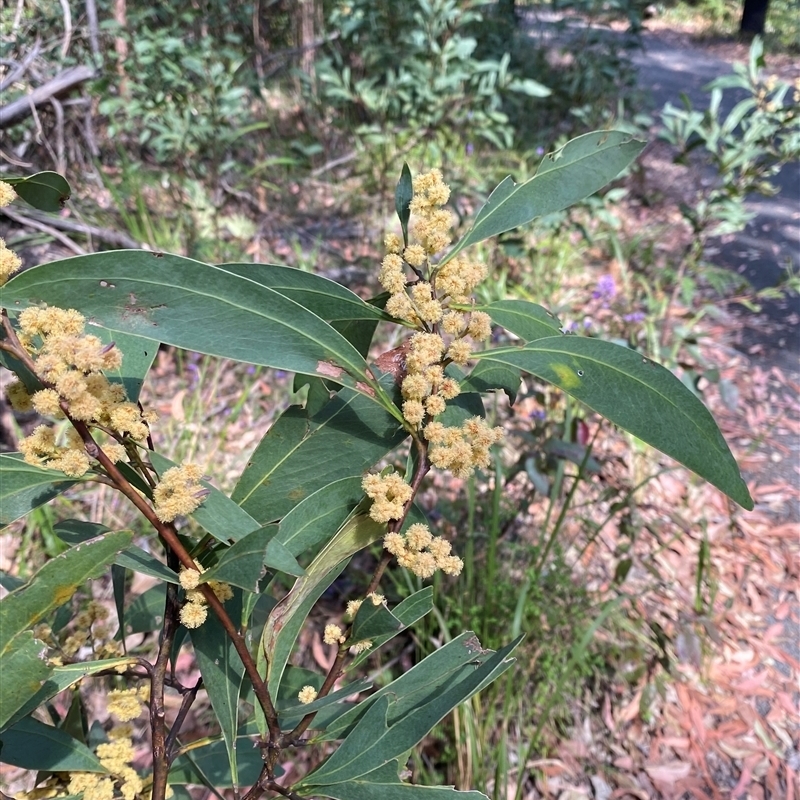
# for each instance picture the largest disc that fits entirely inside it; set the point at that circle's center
(527, 320)
(60, 678)
(31, 744)
(24, 669)
(189, 304)
(300, 454)
(637, 394)
(47, 191)
(385, 784)
(56, 582)
(575, 171)
(288, 616)
(24, 487)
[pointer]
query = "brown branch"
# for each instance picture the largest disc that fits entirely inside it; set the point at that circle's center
(49, 229)
(34, 219)
(158, 723)
(189, 697)
(64, 82)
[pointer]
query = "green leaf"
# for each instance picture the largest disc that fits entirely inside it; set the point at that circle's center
(637, 394)
(55, 583)
(313, 521)
(327, 299)
(408, 612)
(146, 612)
(403, 195)
(74, 531)
(24, 670)
(384, 784)
(209, 765)
(60, 678)
(527, 320)
(244, 563)
(224, 519)
(179, 301)
(489, 377)
(300, 454)
(575, 171)
(24, 487)
(372, 621)
(430, 678)
(32, 745)
(47, 191)
(138, 354)
(223, 673)
(288, 616)
(376, 741)
(292, 711)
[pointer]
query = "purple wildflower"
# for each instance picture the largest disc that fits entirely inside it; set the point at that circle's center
(636, 316)
(606, 288)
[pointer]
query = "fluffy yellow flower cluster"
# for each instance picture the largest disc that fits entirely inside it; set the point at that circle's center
(71, 362)
(179, 492)
(308, 694)
(461, 449)
(10, 262)
(333, 634)
(194, 612)
(425, 302)
(421, 552)
(115, 755)
(389, 494)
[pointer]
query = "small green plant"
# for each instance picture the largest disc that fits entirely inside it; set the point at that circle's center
(745, 150)
(237, 576)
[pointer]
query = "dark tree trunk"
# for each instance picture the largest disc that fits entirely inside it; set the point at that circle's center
(754, 15)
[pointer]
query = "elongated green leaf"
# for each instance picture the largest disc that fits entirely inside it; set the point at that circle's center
(403, 195)
(375, 741)
(74, 531)
(31, 744)
(24, 670)
(327, 299)
(408, 612)
(47, 191)
(224, 519)
(490, 377)
(291, 710)
(60, 678)
(209, 765)
(372, 621)
(320, 515)
(300, 454)
(638, 395)
(138, 355)
(527, 320)
(244, 563)
(189, 304)
(383, 783)
(575, 171)
(223, 673)
(286, 619)
(426, 680)
(24, 487)
(146, 612)
(55, 583)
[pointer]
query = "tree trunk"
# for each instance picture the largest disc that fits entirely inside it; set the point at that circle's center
(754, 15)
